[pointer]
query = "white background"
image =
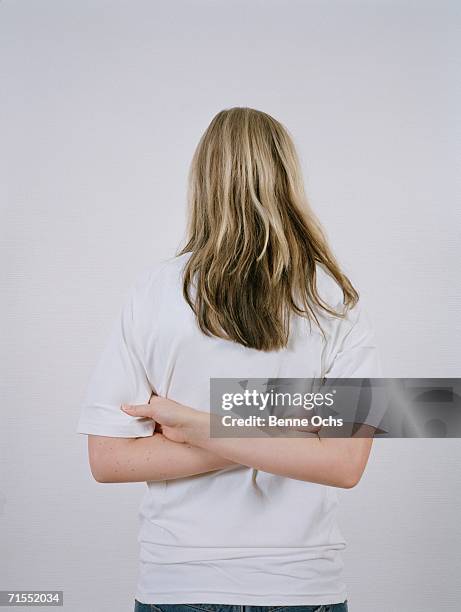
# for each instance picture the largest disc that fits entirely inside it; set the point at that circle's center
(103, 103)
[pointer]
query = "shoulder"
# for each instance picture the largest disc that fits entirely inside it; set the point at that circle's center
(154, 277)
(152, 291)
(152, 286)
(350, 344)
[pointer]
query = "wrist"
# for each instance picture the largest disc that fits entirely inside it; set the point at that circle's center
(197, 430)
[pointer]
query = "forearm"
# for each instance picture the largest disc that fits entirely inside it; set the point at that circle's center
(336, 462)
(149, 459)
(311, 459)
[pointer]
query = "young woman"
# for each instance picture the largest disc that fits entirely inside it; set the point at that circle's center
(255, 293)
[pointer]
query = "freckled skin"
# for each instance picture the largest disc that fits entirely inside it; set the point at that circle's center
(150, 458)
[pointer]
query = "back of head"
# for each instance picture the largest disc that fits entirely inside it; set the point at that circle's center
(254, 241)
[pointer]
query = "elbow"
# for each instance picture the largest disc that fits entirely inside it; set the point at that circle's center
(349, 482)
(101, 467)
(99, 474)
(102, 479)
(350, 478)
(340, 479)
(107, 457)
(101, 458)
(353, 465)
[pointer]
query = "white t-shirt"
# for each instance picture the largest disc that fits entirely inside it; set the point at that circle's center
(224, 537)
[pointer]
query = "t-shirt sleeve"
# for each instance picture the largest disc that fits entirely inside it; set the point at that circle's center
(118, 377)
(354, 352)
(356, 355)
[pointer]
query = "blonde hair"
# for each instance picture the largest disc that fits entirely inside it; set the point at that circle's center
(253, 239)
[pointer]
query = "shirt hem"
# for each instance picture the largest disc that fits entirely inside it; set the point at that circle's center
(239, 599)
(88, 427)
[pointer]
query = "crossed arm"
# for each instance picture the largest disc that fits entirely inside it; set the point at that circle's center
(185, 448)
(151, 458)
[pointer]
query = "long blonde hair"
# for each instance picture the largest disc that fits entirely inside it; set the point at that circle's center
(253, 239)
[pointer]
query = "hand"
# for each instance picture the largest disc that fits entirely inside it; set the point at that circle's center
(179, 423)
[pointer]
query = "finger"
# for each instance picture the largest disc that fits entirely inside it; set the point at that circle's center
(142, 410)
